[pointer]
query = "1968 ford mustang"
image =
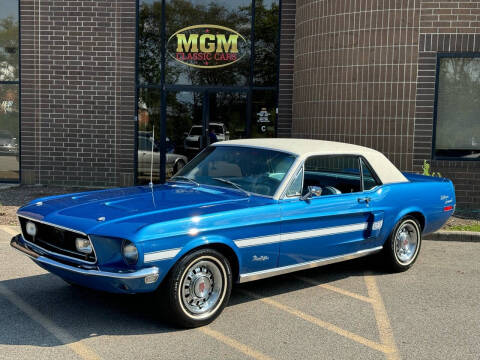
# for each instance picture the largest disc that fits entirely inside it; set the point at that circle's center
(240, 211)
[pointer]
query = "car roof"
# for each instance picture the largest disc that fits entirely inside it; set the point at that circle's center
(386, 171)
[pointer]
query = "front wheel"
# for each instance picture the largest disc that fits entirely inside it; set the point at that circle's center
(403, 245)
(198, 288)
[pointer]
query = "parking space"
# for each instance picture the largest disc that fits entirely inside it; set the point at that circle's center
(342, 311)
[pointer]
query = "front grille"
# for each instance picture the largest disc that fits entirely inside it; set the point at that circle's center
(56, 240)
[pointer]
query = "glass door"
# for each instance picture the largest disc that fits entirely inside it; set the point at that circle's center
(227, 116)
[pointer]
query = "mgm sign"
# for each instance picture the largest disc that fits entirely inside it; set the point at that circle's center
(207, 46)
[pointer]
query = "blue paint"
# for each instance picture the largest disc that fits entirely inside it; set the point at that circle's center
(185, 217)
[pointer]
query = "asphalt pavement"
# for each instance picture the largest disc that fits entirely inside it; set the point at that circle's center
(351, 310)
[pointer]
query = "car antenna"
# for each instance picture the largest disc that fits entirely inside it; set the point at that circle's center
(151, 160)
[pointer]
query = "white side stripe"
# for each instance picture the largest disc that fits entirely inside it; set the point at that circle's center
(271, 239)
(262, 240)
(160, 255)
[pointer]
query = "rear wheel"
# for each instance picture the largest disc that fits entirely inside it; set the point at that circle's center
(198, 288)
(403, 245)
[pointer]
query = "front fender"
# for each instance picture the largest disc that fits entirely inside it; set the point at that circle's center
(166, 265)
(209, 240)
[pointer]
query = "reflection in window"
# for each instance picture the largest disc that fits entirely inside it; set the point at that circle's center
(264, 114)
(149, 42)
(227, 115)
(149, 112)
(266, 42)
(9, 152)
(208, 55)
(9, 41)
(185, 136)
(9, 100)
(458, 106)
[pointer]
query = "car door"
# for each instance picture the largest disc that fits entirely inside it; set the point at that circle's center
(340, 221)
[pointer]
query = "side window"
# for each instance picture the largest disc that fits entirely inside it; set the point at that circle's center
(369, 181)
(334, 174)
(295, 188)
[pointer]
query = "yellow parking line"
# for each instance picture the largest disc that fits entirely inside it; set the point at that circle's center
(323, 324)
(234, 344)
(9, 230)
(83, 351)
(336, 289)
(381, 316)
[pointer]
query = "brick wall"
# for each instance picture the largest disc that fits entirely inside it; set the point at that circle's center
(446, 27)
(355, 71)
(365, 73)
(78, 92)
(285, 80)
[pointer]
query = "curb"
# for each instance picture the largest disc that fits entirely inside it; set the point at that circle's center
(464, 236)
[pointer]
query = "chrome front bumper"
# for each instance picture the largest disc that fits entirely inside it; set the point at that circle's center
(123, 281)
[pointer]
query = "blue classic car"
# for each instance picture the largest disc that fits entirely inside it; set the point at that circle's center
(241, 210)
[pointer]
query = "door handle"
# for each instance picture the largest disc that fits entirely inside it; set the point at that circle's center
(364, 200)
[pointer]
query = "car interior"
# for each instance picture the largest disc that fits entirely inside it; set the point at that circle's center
(337, 175)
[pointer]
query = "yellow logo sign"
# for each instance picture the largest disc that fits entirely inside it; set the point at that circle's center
(207, 46)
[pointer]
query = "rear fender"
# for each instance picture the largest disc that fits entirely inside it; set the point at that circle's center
(409, 210)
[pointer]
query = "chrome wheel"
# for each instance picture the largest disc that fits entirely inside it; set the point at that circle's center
(202, 287)
(406, 242)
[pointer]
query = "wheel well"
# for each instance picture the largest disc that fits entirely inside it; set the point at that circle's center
(420, 218)
(226, 251)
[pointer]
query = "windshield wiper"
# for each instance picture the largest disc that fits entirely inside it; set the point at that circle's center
(185, 178)
(233, 184)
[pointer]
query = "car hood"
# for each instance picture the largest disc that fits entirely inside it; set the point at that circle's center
(126, 210)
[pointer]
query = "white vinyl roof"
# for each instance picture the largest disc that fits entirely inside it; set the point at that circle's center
(386, 171)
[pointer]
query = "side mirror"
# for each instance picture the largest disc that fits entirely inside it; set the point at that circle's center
(185, 134)
(312, 191)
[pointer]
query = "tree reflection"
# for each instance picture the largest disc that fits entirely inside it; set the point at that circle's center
(458, 126)
(8, 49)
(234, 14)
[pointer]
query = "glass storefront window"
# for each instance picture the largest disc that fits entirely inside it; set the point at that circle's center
(149, 42)
(185, 133)
(9, 150)
(198, 56)
(149, 112)
(266, 42)
(208, 42)
(264, 115)
(9, 41)
(9, 94)
(457, 128)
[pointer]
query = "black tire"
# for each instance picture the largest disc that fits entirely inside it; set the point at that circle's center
(178, 166)
(394, 261)
(182, 279)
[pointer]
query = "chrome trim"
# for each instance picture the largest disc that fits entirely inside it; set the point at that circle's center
(257, 275)
(54, 253)
(54, 225)
(44, 260)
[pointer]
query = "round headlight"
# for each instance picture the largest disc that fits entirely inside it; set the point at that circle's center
(83, 245)
(31, 228)
(130, 252)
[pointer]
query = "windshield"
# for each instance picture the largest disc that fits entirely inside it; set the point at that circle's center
(196, 130)
(254, 170)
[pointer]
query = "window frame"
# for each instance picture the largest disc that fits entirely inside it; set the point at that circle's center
(19, 84)
(361, 160)
(440, 56)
